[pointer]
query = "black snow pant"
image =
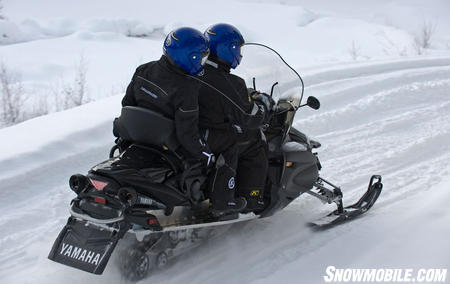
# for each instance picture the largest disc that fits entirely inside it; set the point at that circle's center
(223, 178)
(252, 171)
(241, 168)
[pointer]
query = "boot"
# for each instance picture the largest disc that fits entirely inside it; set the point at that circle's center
(225, 207)
(254, 204)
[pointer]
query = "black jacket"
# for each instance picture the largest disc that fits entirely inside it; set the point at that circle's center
(226, 106)
(166, 89)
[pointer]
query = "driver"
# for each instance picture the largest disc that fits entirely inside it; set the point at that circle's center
(231, 119)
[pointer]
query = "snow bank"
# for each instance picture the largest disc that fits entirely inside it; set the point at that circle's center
(56, 136)
(10, 33)
(34, 29)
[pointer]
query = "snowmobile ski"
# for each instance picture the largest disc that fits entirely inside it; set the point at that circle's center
(348, 213)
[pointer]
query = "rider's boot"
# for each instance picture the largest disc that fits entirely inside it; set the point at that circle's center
(226, 207)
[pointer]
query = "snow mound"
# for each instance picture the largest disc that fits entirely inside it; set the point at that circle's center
(32, 29)
(56, 136)
(10, 33)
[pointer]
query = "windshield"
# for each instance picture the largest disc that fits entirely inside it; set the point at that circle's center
(264, 64)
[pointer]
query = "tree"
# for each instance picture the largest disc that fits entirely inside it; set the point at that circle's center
(12, 96)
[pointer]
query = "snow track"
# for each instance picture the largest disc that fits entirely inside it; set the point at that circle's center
(389, 118)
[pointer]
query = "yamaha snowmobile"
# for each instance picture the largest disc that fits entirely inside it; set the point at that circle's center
(149, 193)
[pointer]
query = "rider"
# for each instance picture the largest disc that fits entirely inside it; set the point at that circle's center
(169, 86)
(163, 86)
(231, 116)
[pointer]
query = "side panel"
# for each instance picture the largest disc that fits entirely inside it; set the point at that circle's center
(301, 175)
(287, 183)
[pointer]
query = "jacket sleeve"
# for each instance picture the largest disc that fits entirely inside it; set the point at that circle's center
(186, 122)
(129, 99)
(251, 115)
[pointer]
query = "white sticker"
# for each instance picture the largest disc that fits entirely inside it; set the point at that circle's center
(231, 183)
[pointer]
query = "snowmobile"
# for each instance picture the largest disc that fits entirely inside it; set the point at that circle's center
(149, 192)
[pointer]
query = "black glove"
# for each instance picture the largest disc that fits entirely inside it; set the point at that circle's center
(265, 99)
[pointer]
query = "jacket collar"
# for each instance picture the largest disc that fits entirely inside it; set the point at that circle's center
(169, 64)
(218, 64)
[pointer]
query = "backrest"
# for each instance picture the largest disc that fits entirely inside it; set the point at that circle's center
(144, 126)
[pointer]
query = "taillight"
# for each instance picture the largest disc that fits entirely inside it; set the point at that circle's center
(99, 185)
(152, 221)
(100, 200)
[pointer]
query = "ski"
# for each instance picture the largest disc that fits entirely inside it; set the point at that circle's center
(348, 213)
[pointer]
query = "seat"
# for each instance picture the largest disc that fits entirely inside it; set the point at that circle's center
(147, 127)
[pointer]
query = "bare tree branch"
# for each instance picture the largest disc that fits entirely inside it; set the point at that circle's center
(354, 51)
(1, 11)
(423, 38)
(12, 97)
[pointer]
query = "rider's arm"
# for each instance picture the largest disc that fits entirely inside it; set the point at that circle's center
(252, 113)
(129, 99)
(186, 122)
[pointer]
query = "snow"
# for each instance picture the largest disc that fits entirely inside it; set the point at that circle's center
(387, 112)
(57, 136)
(115, 38)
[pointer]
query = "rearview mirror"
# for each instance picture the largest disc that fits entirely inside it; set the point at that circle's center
(313, 102)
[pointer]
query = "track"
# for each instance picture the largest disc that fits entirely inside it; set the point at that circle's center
(388, 118)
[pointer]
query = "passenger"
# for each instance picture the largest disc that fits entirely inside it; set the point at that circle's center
(164, 87)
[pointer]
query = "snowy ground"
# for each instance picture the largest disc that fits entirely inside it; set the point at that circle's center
(387, 113)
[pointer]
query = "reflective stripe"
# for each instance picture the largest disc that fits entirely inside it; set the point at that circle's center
(238, 128)
(148, 92)
(193, 110)
(213, 64)
(148, 81)
(255, 109)
(209, 155)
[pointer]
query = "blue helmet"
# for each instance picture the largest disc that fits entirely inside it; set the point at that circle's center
(225, 42)
(187, 48)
